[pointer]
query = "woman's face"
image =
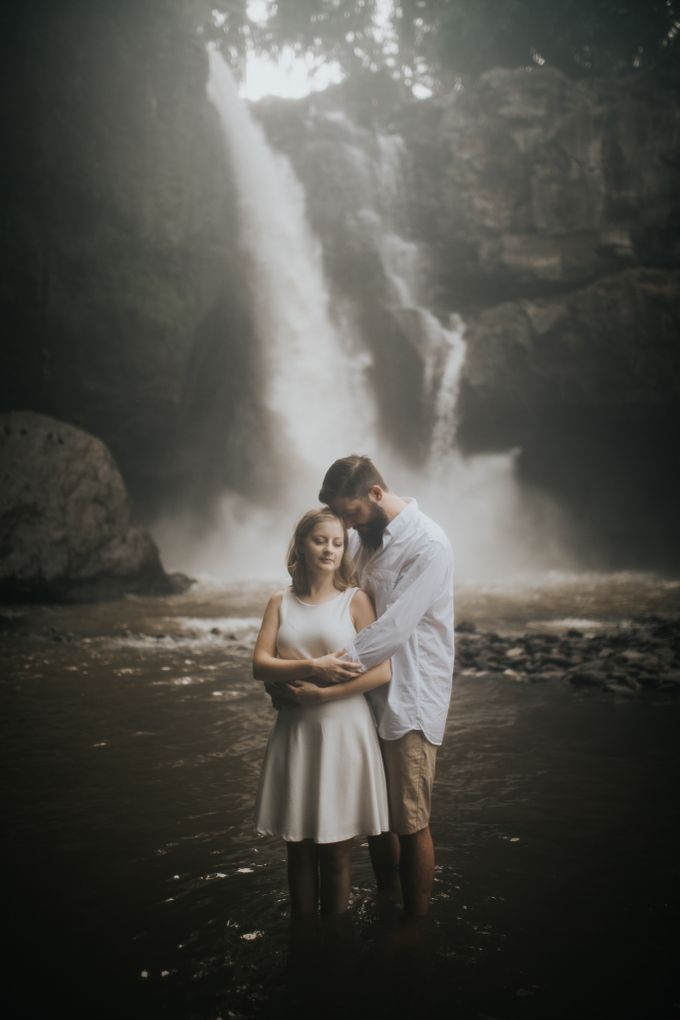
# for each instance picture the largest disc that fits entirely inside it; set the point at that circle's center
(324, 545)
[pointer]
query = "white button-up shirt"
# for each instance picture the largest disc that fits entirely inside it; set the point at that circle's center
(410, 578)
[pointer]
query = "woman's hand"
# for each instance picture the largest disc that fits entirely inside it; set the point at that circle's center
(304, 692)
(334, 669)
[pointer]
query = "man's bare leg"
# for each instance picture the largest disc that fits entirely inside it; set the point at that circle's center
(416, 870)
(384, 851)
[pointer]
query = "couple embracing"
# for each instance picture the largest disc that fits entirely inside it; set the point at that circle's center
(362, 702)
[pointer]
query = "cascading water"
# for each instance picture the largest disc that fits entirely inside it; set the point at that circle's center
(315, 372)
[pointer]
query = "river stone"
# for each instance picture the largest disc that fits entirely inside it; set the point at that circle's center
(619, 688)
(466, 627)
(66, 531)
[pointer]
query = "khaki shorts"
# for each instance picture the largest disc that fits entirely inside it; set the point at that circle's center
(409, 770)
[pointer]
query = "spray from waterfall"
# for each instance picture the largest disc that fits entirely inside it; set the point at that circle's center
(315, 368)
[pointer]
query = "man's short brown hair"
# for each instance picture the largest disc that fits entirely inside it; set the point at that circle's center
(350, 478)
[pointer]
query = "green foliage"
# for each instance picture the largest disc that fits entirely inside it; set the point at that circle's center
(580, 37)
(433, 40)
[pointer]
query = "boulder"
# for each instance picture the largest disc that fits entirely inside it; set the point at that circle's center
(66, 531)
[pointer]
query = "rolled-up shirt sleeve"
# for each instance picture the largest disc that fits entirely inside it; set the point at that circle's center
(418, 587)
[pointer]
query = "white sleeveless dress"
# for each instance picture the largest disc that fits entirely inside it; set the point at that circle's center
(323, 776)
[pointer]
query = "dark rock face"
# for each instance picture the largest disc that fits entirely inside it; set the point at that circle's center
(66, 531)
(609, 346)
(588, 385)
(122, 300)
(548, 184)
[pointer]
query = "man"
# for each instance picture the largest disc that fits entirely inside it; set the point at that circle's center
(405, 562)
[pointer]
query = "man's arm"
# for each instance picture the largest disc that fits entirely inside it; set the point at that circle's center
(421, 584)
(267, 666)
(305, 693)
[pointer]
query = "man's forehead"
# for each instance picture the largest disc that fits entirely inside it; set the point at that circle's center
(342, 504)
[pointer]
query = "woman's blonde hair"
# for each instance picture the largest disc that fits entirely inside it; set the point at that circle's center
(344, 576)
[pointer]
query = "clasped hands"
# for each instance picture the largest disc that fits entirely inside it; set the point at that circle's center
(326, 670)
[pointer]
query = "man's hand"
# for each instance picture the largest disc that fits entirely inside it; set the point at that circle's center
(334, 669)
(304, 692)
(279, 694)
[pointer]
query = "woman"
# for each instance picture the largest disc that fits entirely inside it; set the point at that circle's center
(322, 781)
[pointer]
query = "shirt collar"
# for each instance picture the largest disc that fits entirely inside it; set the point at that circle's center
(399, 523)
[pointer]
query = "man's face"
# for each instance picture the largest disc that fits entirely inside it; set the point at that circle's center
(366, 516)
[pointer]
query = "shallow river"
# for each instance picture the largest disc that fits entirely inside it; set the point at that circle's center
(133, 736)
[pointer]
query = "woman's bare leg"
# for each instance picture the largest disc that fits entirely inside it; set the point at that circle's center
(334, 871)
(303, 877)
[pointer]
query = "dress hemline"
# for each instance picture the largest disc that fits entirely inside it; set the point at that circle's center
(335, 839)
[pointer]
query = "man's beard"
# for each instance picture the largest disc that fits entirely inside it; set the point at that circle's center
(371, 533)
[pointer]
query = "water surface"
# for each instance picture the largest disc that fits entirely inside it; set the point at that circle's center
(132, 744)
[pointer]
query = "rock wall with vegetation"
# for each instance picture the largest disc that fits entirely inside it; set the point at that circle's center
(121, 293)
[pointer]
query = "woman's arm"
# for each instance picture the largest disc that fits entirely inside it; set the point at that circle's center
(268, 666)
(363, 613)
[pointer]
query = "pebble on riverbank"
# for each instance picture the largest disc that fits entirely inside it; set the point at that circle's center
(624, 659)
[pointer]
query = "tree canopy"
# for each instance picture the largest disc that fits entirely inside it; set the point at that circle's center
(437, 41)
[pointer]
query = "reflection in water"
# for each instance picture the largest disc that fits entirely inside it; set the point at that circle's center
(131, 759)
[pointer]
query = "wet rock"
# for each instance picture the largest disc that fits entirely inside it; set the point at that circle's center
(619, 688)
(558, 660)
(626, 659)
(180, 583)
(514, 674)
(66, 529)
(466, 627)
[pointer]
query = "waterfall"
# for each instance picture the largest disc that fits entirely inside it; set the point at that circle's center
(315, 375)
(377, 161)
(315, 364)
(442, 348)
